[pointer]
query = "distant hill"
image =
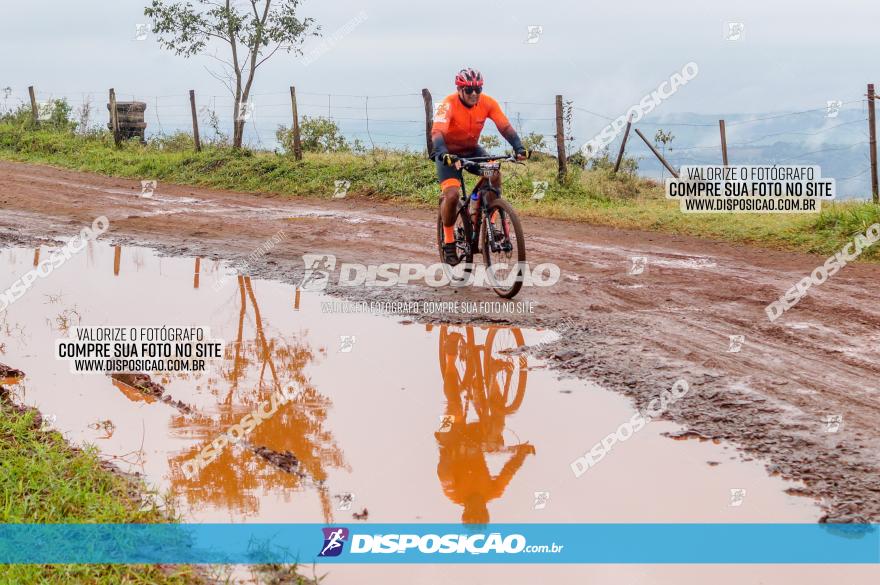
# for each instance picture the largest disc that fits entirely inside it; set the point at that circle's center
(838, 144)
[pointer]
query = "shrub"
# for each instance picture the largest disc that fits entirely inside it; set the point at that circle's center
(603, 161)
(317, 135)
(177, 142)
(490, 142)
(58, 116)
(534, 141)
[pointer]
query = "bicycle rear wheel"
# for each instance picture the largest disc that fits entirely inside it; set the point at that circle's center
(505, 267)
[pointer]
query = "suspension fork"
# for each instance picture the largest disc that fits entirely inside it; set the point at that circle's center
(490, 226)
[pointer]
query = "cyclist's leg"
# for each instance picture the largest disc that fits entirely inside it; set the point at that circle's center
(450, 188)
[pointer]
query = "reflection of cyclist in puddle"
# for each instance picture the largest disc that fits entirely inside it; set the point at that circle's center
(493, 387)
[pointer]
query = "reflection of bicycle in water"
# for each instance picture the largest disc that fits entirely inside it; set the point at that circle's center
(487, 374)
(483, 382)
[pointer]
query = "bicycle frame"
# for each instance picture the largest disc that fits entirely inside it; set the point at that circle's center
(485, 166)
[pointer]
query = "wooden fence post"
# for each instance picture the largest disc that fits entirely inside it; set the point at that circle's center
(657, 154)
(429, 123)
(34, 111)
(297, 141)
(117, 257)
(623, 144)
(560, 138)
(723, 141)
(114, 118)
(195, 119)
(872, 133)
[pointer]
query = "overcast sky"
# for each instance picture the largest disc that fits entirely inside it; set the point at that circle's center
(604, 56)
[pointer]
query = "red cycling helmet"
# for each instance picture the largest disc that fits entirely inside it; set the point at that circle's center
(469, 78)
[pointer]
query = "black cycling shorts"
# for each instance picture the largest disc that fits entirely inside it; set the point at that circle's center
(446, 174)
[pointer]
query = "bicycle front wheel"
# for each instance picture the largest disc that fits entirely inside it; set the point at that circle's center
(502, 370)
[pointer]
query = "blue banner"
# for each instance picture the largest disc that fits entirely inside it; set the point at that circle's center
(441, 543)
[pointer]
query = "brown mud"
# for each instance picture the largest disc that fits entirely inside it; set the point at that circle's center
(633, 333)
(8, 373)
(145, 385)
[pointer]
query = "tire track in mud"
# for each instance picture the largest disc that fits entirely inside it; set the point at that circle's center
(636, 334)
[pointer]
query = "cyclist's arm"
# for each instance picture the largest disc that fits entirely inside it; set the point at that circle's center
(499, 483)
(438, 145)
(440, 127)
(504, 126)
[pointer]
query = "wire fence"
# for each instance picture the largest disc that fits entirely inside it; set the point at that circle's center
(835, 138)
(390, 121)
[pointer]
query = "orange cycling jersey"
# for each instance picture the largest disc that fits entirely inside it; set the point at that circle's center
(457, 127)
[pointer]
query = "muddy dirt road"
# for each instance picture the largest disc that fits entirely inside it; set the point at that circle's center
(776, 398)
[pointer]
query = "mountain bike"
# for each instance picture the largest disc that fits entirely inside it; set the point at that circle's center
(497, 232)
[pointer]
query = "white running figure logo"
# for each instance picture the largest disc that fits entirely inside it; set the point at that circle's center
(333, 542)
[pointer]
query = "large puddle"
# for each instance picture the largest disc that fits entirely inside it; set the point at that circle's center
(397, 422)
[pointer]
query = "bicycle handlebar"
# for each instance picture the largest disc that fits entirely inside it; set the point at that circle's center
(478, 159)
(500, 157)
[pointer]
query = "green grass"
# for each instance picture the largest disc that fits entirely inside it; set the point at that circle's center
(44, 480)
(596, 196)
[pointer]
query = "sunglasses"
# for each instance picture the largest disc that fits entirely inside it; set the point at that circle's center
(470, 90)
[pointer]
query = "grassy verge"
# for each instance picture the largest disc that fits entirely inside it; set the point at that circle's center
(594, 196)
(44, 480)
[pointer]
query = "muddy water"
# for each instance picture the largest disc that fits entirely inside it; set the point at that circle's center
(396, 421)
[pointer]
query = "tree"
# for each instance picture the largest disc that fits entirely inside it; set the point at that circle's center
(664, 138)
(250, 30)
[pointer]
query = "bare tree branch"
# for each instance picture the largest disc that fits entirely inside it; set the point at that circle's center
(278, 46)
(227, 83)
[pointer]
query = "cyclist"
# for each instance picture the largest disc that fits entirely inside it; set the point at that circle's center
(458, 122)
(462, 468)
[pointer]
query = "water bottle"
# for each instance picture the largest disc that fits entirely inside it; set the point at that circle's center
(475, 203)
